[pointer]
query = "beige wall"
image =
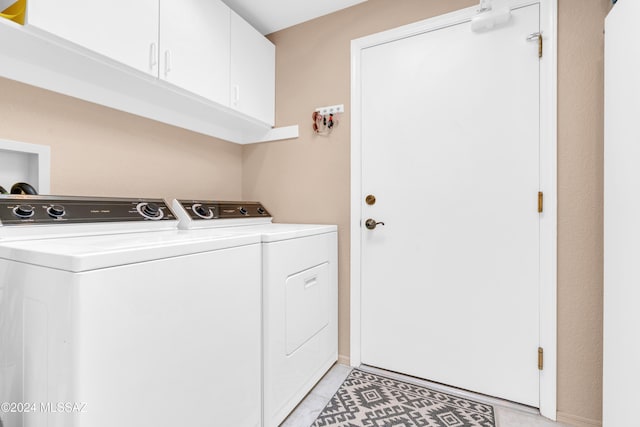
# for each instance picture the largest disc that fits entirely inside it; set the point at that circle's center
(580, 207)
(308, 179)
(102, 152)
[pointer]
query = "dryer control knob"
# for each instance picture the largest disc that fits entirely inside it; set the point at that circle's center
(261, 210)
(243, 211)
(24, 211)
(151, 210)
(202, 211)
(56, 211)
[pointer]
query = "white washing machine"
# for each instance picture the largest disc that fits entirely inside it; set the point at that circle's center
(104, 325)
(300, 297)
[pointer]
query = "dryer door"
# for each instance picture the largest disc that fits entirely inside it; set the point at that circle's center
(307, 305)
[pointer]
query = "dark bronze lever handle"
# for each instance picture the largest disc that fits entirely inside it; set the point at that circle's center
(372, 224)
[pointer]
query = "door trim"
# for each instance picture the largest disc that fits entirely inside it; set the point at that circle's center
(548, 181)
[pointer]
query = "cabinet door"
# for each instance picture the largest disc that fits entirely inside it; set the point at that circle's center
(252, 71)
(194, 43)
(124, 30)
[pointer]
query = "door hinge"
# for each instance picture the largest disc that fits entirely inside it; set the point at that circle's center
(540, 358)
(540, 46)
(537, 37)
(540, 202)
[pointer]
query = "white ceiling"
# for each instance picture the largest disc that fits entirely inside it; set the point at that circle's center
(268, 16)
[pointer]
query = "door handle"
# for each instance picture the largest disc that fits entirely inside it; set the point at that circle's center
(372, 224)
(167, 62)
(153, 56)
(236, 95)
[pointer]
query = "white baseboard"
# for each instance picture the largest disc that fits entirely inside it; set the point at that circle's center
(577, 421)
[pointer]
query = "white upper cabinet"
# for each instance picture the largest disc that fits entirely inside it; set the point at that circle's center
(185, 42)
(124, 30)
(189, 63)
(252, 71)
(194, 46)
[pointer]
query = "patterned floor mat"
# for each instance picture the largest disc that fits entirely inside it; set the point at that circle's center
(369, 400)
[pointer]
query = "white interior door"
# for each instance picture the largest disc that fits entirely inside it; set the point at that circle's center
(621, 212)
(450, 149)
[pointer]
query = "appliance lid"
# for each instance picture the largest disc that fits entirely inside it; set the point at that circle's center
(277, 232)
(85, 253)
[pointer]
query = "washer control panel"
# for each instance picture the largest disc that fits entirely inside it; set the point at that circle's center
(203, 210)
(21, 210)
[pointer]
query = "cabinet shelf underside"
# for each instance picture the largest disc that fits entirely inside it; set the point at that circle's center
(44, 61)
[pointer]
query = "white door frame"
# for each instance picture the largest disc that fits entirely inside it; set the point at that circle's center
(548, 180)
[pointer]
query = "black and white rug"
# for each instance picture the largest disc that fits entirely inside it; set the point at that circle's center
(369, 400)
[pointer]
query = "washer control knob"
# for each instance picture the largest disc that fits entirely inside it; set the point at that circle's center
(202, 211)
(56, 211)
(243, 211)
(24, 211)
(261, 210)
(151, 210)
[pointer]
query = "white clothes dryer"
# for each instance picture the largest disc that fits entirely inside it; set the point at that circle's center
(104, 325)
(299, 294)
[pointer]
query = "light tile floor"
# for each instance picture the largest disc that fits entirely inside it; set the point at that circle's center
(507, 414)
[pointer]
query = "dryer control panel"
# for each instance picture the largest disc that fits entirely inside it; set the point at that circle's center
(203, 210)
(51, 210)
